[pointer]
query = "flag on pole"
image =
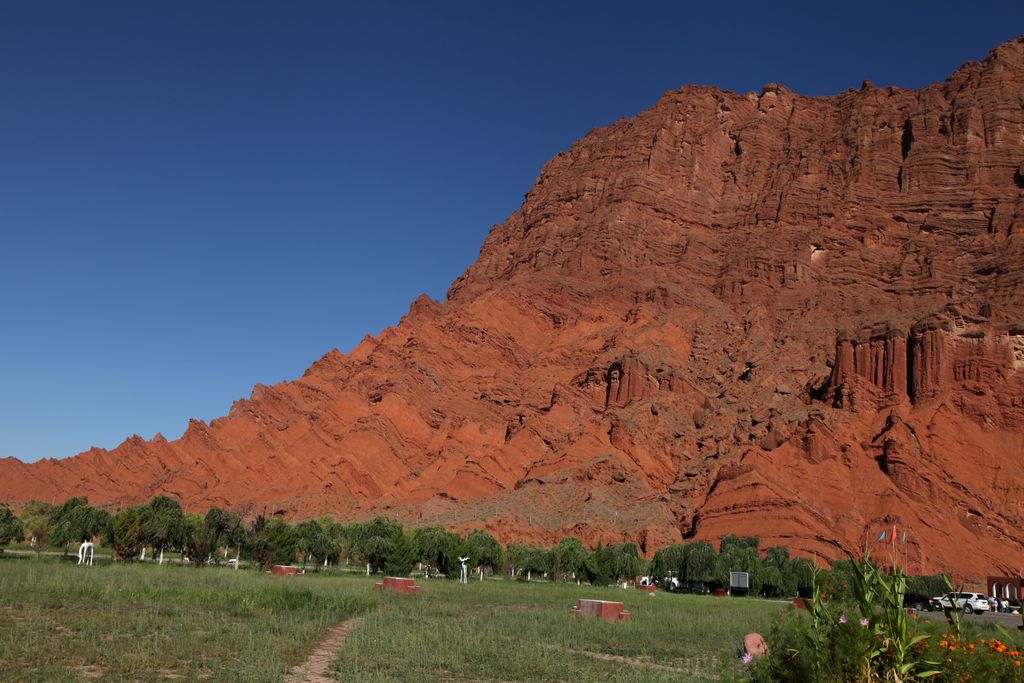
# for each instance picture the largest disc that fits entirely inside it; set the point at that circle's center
(882, 537)
(904, 535)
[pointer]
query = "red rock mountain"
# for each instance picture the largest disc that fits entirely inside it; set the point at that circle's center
(797, 317)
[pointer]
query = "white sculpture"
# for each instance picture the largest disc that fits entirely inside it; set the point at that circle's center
(85, 553)
(465, 575)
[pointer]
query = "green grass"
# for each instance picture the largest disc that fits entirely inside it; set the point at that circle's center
(118, 622)
(506, 631)
(60, 622)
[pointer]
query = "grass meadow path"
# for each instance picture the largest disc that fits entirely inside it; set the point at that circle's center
(505, 630)
(145, 623)
(316, 667)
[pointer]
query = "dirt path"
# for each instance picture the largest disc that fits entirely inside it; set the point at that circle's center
(315, 668)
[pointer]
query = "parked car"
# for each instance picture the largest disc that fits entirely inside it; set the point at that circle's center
(967, 602)
(694, 587)
(917, 601)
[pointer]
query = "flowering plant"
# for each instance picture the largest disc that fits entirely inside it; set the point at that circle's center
(865, 635)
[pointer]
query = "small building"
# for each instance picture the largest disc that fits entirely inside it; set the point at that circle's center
(1006, 587)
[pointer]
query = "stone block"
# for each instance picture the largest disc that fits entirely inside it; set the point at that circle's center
(608, 610)
(285, 570)
(398, 585)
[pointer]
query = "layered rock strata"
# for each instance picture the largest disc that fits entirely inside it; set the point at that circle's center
(760, 313)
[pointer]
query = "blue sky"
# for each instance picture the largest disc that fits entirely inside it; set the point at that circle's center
(196, 197)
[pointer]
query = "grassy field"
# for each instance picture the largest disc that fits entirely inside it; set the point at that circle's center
(60, 622)
(505, 631)
(141, 623)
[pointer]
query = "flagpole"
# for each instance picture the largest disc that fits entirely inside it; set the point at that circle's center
(895, 553)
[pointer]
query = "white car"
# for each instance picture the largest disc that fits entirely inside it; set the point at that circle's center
(966, 602)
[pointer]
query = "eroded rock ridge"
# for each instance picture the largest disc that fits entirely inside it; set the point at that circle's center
(762, 313)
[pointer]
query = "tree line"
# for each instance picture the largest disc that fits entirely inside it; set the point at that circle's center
(384, 545)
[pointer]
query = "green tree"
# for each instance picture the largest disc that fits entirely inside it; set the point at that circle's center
(36, 518)
(771, 581)
(570, 559)
(528, 561)
(275, 542)
(779, 579)
(485, 552)
(803, 571)
(313, 540)
(701, 562)
(740, 558)
(219, 520)
(436, 548)
(400, 559)
(731, 541)
(128, 532)
(936, 584)
(535, 561)
(669, 561)
(236, 534)
(165, 527)
(203, 536)
(76, 521)
(335, 533)
(516, 554)
(383, 545)
(376, 550)
(616, 562)
(11, 528)
(227, 527)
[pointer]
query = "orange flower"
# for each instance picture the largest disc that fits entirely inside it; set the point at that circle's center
(1016, 662)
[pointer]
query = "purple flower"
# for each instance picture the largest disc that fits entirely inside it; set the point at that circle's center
(843, 619)
(747, 658)
(864, 622)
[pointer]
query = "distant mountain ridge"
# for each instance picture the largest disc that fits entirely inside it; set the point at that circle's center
(796, 317)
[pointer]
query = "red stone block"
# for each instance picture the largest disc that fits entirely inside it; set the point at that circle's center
(284, 570)
(605, 609)
(649, 589)
(397, 585)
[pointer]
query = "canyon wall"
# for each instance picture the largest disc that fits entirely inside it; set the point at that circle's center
(750, 313)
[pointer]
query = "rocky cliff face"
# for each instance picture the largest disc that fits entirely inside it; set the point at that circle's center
(759, 313)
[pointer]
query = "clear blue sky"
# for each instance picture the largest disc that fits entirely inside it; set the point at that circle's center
(199, 196)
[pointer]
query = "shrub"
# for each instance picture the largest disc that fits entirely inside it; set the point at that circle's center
(11, 528)
(859, 632)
